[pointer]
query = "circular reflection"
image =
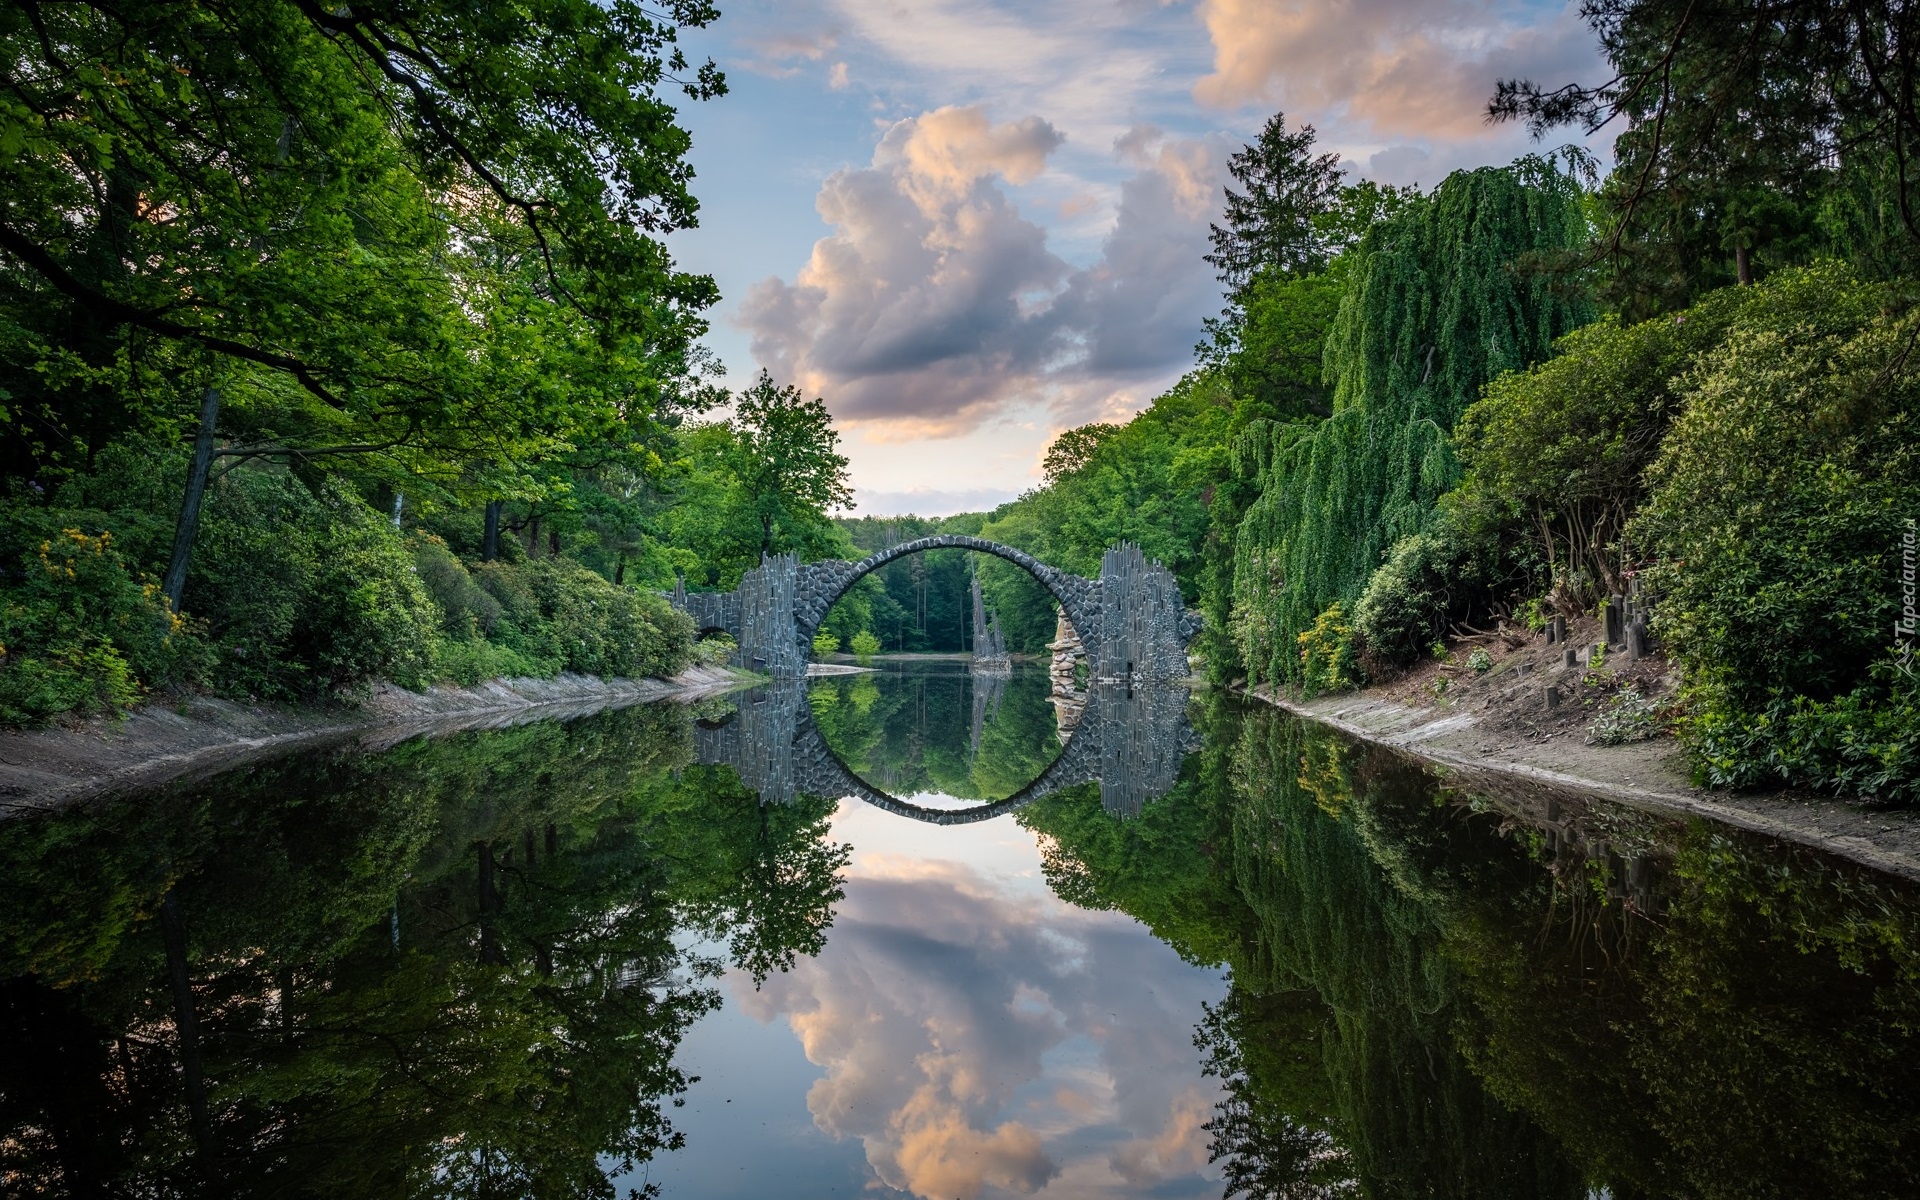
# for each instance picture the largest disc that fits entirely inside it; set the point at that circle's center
(936, 734)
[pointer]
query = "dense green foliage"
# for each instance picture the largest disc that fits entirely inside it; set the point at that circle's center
(1561, 450)
(1433, 308)
(357, 224)
(403, 273)
(1775, 523)
(292, 594)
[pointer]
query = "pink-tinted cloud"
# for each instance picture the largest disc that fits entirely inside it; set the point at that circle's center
(980, 1042)
(935, 304)
(775, 54)
(1394, 68)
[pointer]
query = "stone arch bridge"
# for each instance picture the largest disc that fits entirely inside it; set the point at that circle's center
(1130, 620)
(1132, 740)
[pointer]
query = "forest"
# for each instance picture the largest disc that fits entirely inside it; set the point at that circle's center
(326, 359)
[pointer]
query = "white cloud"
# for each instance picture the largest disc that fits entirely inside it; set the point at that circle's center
(1394, 68)
(936, 305)
(976, 1038)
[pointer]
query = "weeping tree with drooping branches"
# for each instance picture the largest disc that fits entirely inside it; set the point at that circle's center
(1440, 298)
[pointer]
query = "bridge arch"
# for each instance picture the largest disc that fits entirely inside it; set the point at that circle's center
(1130, 621)
(822, 584)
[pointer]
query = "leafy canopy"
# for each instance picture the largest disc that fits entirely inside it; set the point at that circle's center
(416, 223)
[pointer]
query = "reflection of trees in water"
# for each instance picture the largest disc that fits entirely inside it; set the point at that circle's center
(1436, 1000)
(939, 731)
(449, 968)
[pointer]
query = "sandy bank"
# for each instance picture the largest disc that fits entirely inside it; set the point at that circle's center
(1650, 775)
(46, 768)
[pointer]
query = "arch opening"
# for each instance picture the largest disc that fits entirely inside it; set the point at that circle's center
(931, 602)
(833, 580)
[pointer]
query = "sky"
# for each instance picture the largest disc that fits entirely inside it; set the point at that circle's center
(968, 225)
(963, 1034)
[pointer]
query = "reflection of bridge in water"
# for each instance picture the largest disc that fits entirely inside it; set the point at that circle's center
(1129, 739)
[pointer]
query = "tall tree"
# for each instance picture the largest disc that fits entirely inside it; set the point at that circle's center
(1741, 118)
(1433, 308)
(1274, 224)
(789, 470)
(373, 226)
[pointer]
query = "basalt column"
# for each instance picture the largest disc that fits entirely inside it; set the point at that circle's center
(769, 635)
(1142, 633)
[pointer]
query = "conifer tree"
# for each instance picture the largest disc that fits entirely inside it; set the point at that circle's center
(1271, 225)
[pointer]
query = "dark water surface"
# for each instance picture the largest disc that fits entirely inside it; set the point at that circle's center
(1200, 950)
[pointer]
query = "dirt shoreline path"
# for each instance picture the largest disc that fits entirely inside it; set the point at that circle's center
(1649, 776)
(42, 769)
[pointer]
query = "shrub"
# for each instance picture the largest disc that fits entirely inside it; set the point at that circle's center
(1429, 581)
(1864, 743)
(471, 660)
(1328, 662)
(81, 628)
(1480, 660)
(1775, 520)
(714, 651)
(306, 593)
(467, 609)
(825, 643)
(865, 645)
(558, 612)
(1628, 717)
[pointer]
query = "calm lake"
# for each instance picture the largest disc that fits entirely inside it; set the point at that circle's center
(923, 933)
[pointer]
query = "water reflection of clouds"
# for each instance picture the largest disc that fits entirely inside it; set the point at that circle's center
(979, 1037)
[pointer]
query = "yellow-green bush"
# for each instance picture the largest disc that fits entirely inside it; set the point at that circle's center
(1328, 661)
(81, 628)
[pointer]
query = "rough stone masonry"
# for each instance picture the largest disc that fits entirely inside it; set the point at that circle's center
(1130, 620)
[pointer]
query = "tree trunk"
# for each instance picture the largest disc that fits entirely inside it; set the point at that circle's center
(1742, 266)
(490, 540)
(620, 571)
(490, 953)
(533, 535)
(189, 523)
(553, 540)
(186, 1023)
